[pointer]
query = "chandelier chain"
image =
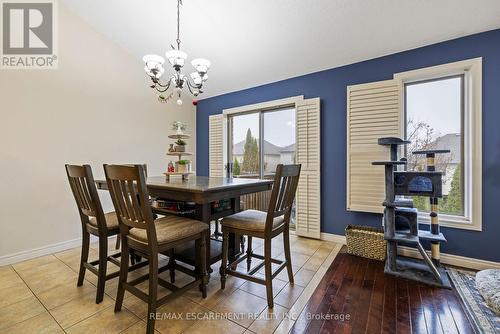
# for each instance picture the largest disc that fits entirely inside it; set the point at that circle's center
(179, 2)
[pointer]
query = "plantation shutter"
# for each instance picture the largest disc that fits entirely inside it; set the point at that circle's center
(373, 111)
(308, 199)
(216, 145)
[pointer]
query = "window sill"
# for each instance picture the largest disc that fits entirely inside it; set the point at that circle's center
(451, 222)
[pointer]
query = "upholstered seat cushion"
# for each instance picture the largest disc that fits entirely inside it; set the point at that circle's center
(251, 220)
(170, 228)
(111, 220)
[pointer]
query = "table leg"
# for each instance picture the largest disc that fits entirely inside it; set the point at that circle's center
(204, 214)
(234, 245)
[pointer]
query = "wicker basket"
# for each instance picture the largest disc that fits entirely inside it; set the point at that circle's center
(366, 242)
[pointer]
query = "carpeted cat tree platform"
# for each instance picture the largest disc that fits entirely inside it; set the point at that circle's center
(488, 285)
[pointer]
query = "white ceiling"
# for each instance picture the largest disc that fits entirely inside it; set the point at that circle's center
(253, 42)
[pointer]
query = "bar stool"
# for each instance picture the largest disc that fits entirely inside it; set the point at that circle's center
(141, 232)
(259, 224)
(96, 222)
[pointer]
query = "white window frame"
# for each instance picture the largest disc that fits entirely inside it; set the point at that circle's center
(255, 108)
(471, 69)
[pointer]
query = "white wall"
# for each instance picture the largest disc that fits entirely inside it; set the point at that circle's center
(96, 108)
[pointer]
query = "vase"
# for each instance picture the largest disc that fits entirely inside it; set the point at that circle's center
(182, 168)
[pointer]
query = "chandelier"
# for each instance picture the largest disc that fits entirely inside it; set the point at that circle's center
(154, 68)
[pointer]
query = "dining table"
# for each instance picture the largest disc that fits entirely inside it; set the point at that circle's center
(205, 192)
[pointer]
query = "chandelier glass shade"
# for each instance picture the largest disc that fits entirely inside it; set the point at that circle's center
(154, 67)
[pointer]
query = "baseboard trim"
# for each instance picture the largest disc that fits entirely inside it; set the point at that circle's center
(333, 238)
(41, 251)
(454, 260)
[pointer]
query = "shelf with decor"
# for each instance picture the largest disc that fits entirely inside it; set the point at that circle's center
(179, 136)
(179, 153)
(173, 212)
(181, 167)
(163, 206)
(185, 175)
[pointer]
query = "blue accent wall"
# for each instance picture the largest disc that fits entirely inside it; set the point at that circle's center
(330, 85)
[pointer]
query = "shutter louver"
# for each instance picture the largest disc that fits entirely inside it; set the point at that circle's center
(308, 199)
(373, 111)
(216, 145)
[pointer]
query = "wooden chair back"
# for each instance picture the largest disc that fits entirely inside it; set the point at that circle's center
(127, 187)
(283, 193)
(84, 191)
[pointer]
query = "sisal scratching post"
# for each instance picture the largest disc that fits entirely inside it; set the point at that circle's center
(434, 202)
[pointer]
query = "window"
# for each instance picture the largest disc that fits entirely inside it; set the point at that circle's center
(258, 142)
(442, 110)
(436, 107)
(256, 158)
(279, 139)
(434, 113)
(244, 141)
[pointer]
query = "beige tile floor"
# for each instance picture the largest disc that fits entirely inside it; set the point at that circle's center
(40, 296)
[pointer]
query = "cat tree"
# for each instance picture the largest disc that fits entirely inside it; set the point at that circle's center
(400, 220)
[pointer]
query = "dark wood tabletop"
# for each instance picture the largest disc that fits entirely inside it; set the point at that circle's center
(205, 183)
(201, 189)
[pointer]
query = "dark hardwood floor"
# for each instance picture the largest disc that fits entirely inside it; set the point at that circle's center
(371, 302)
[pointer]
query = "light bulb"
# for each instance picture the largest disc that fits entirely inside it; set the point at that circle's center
(201, 65)
(176, 57)
(179, 102)
(153, 59)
